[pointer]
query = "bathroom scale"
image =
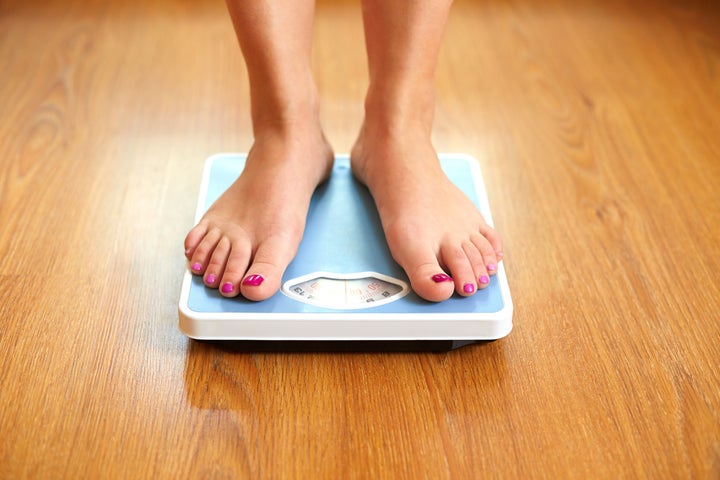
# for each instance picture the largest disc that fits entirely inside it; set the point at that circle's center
(343, 284)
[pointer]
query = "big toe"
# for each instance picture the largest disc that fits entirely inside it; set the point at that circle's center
(264, 276)
(430, 282)
(261, 282)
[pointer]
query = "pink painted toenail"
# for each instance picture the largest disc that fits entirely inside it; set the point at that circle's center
(491, 267)
(484, 279)
(197, 266)
(500, 254)
(210, 278)
(441, 277)
(253, 280)
(469, 288)
(227, 287)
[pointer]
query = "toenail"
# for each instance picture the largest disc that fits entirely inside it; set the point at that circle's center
(441, 277)
(253, 280)
(210, 278)
(197, 266)
(484, 279)
(491, 267)
(469, 288)
(500, 254)
(227, 287)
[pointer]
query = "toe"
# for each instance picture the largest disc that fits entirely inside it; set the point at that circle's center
(494, 239)
(427, 277)
(216, 266)
(203, 251)
(263, 277)
(430, 282)
(235, 268)
(477, 262)
(456, 260)
(193, 239)
(489, 257)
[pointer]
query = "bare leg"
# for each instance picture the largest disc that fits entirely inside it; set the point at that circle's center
(247, 238)
(434, 232)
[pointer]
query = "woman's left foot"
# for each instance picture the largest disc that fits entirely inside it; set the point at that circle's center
(434, 232)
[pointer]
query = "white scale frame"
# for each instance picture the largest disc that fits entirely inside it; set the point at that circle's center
(362, 313)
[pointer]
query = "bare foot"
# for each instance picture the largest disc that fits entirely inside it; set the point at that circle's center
(434, 232)
(247, 238)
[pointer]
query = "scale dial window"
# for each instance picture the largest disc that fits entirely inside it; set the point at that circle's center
(346, 291)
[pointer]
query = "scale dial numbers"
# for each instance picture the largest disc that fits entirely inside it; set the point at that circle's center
(345, 291)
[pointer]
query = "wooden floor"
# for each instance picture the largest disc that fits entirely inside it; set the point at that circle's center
(597, 126)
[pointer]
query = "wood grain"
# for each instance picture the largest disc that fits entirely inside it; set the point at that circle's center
(597, 125)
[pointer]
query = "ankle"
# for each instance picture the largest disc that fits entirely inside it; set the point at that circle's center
(384, 153)
(285, 108)
(291, 143)
(392, 110)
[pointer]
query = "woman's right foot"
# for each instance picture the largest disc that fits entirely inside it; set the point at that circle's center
(247, 238)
